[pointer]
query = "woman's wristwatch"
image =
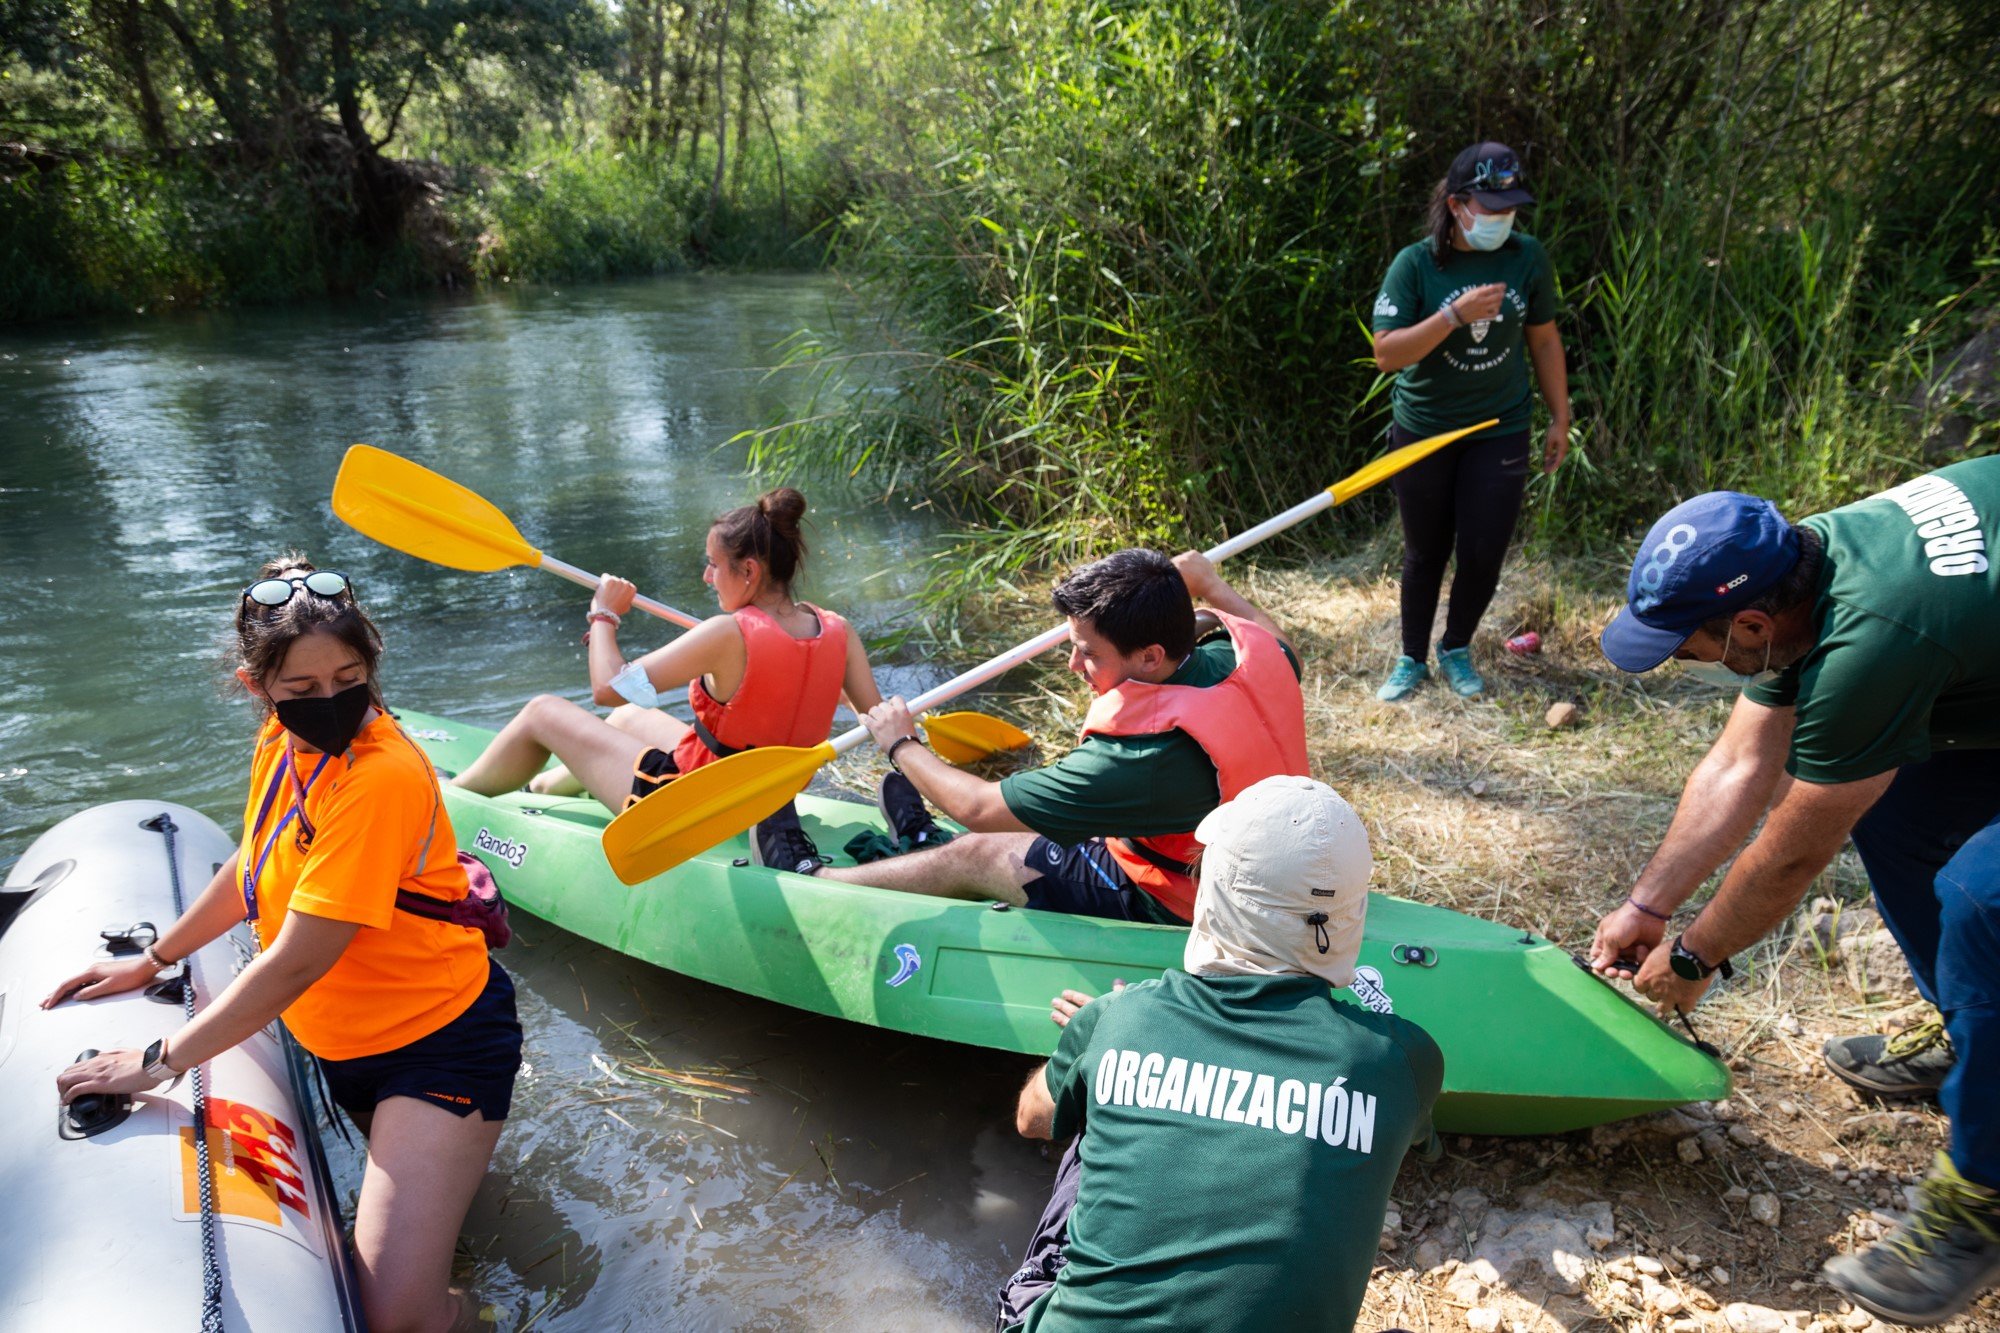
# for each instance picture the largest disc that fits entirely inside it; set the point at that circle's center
(156, 1066)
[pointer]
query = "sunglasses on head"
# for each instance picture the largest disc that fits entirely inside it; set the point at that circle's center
(1494, 174)
(276, 592)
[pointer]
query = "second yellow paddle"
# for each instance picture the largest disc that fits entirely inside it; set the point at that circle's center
(408, 507)
(696, 811)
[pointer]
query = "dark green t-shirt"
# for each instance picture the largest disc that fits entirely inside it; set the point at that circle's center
(1129, 786)
(1908, 615)
(1478, 371)
(1224, 1186)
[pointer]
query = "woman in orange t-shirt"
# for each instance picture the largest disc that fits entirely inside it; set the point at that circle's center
(412, 1022)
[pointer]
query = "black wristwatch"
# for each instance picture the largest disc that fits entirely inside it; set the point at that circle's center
(1688, 966)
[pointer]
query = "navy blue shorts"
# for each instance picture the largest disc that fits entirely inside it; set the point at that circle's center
(465, 1066)
(1086, 880)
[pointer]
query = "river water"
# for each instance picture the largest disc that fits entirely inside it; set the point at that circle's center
(859, 1178)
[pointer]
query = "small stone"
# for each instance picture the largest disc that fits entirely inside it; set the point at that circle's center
(1725, 1110)
(1667, 1301)
(1561, 715)
(1687, 1325)
(1719, 1276)
(1736, 1194)
(1689, 1150)
(1483, 1319)
(1829, 1160)
(1392, 1222)
(1744, 1135)
(1789, 1110)
(1743, 1317)
(1790, 1025)
(1429, 1255)
(1856, 1319)
(1651, 1267)
(1714, 1143)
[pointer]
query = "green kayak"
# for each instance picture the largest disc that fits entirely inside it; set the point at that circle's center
(1533, 1044)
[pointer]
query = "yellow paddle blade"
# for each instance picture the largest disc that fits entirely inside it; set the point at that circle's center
(407, 506)
(693, 813)
(1389, 464)
(961, 738)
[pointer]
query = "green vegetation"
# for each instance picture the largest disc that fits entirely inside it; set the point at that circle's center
(169, 151)
(1134, 245)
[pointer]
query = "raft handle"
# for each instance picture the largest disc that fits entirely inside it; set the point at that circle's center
(93, 1113)
(171, 989)
(1415, 955)
(124, 941)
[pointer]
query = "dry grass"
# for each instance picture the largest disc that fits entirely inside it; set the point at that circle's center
(1479, 806)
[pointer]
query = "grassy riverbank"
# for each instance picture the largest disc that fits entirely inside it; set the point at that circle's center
(1482, 807)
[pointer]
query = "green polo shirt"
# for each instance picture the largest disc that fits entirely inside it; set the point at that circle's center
(1478, 371)
(1907, 659)
(1240, 1137)
(1129, 786)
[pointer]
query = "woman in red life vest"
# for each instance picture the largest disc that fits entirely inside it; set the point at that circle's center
(411, 1021)
(768, 671)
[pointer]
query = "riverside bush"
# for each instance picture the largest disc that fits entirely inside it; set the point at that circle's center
(1131, 247)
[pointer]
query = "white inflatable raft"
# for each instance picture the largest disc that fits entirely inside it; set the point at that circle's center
(102, 1222)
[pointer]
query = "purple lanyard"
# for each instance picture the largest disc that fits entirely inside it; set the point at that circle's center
(252, 877)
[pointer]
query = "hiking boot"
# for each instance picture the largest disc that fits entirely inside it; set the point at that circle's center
(1913, 1063)
(1404, 677)
(909, 819)
(1936, 1261)
(1455, 665)
(781, 843)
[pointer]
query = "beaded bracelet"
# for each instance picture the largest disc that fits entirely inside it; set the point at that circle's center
(1639, 906)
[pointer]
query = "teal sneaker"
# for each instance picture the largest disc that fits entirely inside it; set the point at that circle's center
(1404, 677)
(1459, 673)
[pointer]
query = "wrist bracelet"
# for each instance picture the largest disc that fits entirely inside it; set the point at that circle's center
(610, 617)
(1451, 316)
(1634, 903)
(152, 956)
(890, 753)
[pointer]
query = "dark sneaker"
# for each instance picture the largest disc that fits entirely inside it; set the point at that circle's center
(1913, 1063)
(1936, 1261)
(903, 809)
(781, 843)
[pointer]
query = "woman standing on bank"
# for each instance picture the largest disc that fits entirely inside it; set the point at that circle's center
(1461, 316)
(412, 1022)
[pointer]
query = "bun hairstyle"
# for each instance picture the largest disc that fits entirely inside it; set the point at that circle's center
(768, 532)
(264, 634)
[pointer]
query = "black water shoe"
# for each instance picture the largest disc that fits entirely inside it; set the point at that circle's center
(1911, 1064)
(1936, 1262)
(781, 843)
(909, 819)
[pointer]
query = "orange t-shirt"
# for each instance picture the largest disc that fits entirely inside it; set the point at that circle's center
(379, 825)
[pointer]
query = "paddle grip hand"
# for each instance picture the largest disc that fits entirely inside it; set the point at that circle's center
(889, 721)
(102, 979)
(613, 594)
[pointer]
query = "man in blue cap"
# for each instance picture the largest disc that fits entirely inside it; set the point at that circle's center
(1866, 642)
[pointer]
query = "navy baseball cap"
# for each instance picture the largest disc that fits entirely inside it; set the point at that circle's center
(1711, 556)
(1490, 173)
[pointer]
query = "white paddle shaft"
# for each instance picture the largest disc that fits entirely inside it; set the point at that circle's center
(585, 578)
(1048, 639)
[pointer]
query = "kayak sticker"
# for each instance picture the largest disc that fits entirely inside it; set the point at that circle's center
(908, 963)
(254, 1160)
(432, 734)
(513, 853)
(1367, 987)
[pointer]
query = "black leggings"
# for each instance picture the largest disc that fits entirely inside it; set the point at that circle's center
(1465, 497)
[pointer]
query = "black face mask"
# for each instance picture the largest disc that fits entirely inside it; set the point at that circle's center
(328, 724)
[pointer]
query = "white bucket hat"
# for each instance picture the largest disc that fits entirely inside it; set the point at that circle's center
(1284, 884)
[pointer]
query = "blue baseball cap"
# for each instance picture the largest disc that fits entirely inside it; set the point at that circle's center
(1710, 556)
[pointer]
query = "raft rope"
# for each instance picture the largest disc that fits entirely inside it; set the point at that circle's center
(211, 1263)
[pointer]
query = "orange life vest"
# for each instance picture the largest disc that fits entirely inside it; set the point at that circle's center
(1251, 724)
(789, 691)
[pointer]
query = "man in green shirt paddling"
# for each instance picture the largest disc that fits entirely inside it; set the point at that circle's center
(1240, 1128)
(1177, 727)
(1867, 644)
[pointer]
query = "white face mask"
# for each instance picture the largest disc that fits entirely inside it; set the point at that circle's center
(1485, 231)
(1719, 673)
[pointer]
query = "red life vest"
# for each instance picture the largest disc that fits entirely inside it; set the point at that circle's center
(1251, 725)
(789, 691)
